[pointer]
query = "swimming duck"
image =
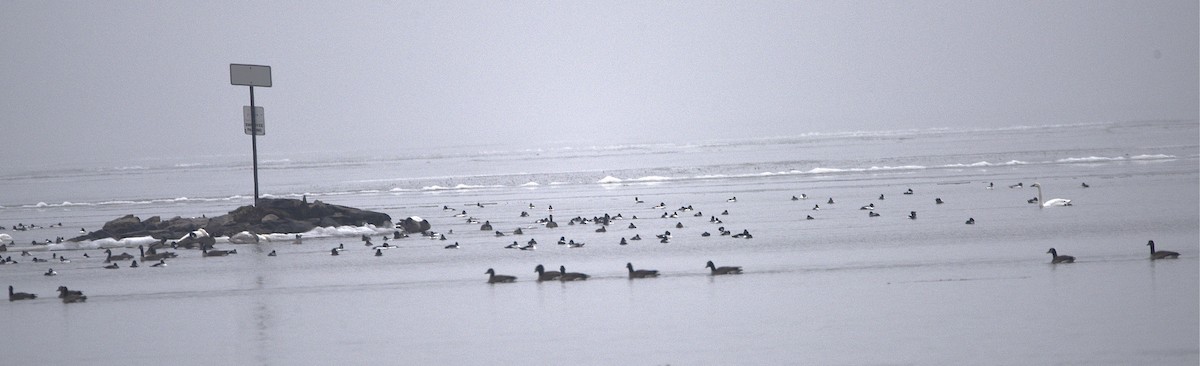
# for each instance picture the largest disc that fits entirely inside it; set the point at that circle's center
(809, 217)
(912, 215)
(830, 201)
(134, 265)
(1084, 185)
(733, 199)
(271, 254)
(1060, 258)
(723, 270)
(872, 214)
(452, 246)
(636, 237)
(378, 252)
(1160, 254)
(938, 201)
(909, 191)
(163, 262)
(1018, 185)
(495, 278)
(571, 276)
(971, 221)
(514, 245)
(334, 251)
(868, 207)
(112, 266)
(641, 273)
(51, 272)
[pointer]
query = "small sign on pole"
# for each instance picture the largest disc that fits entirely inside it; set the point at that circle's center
(259, 118)
(250, 75)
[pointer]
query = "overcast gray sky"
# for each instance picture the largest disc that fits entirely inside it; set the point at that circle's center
(121, 80)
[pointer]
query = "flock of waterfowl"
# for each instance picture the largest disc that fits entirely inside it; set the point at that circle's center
(205, 244)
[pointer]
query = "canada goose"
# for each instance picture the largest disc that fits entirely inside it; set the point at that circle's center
(1160, 254)
(495, 278)
(154, 254)
(51, 272)
(544, 275)
(218, 253)
(73, 298)
(120, 257)
(64, 292)
(14, 296)
(1060, 258)
(641, 273)
(723, 270)
(571, 276)
(112, 266)
(162, 263)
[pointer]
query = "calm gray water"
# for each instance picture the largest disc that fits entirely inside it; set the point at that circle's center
(843, 288)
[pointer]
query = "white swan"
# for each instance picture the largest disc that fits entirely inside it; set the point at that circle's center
(1052, 201)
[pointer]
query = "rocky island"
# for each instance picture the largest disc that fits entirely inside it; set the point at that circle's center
(271, 216)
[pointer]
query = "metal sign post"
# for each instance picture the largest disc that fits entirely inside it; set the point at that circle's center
(252, 76)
